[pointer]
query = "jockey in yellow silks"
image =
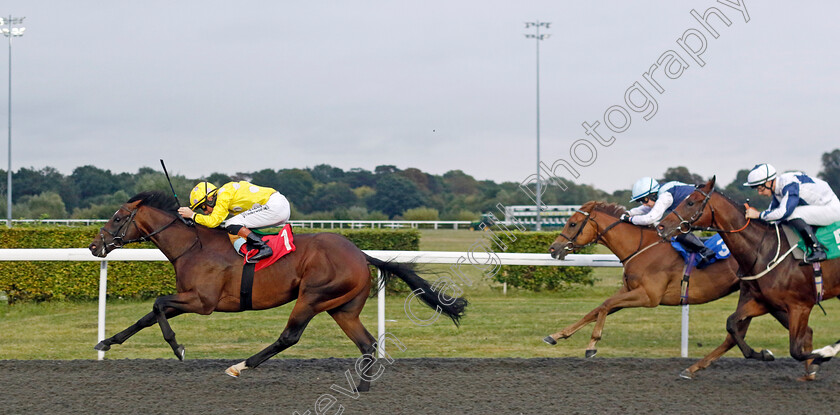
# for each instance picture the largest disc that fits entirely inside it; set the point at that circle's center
(239, 207)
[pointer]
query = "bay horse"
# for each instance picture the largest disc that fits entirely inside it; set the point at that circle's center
(653, 270)
(781, 287)
(326, 272)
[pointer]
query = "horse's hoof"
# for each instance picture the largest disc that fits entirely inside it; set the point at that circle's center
(102, 347)
(807, 377)
(590, 353)
(550, 340)
(687, 374)
(767, 356)
(363, 387)
(235, 370)
(180, 352)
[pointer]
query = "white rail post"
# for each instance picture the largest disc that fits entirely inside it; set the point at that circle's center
(103, 292)
(684, 337)
(380, 306)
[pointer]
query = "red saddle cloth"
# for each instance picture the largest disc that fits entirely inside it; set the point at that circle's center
(281, 244)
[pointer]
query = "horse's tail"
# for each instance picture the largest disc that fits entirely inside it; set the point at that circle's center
(452, 307)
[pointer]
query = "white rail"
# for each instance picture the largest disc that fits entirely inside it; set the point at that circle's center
(422, 257)
(320, 224)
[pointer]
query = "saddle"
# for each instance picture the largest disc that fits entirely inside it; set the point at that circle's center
(281, 244)
(829, 237)
(715, 243)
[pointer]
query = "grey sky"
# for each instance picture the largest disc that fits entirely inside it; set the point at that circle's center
(438, 85)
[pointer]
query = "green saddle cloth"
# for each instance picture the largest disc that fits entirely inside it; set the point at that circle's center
(829, 236)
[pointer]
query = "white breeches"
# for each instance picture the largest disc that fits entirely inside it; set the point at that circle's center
(818, 215)
(275, 212)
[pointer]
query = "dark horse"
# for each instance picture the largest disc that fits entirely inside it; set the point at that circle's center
(327, 272)
(653, 271)
(784, 288)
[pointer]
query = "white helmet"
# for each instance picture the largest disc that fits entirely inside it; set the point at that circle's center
(644, 187)
(760, 174)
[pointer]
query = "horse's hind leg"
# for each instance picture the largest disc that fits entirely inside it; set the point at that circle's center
(146, 321)
(301, 314)
(347, 317)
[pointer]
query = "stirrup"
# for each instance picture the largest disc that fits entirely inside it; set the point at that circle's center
(816, 256)
(264, 252)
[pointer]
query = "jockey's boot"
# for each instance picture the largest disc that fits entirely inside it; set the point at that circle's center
(255, 242)
(695, 245)
(807, 233)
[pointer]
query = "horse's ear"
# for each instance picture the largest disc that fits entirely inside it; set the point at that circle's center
(711, 183)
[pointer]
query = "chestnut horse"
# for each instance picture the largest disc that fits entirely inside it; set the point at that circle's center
(653, 270)
(772, 282)
(326, 272)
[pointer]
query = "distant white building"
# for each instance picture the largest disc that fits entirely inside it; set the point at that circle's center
(553, 216)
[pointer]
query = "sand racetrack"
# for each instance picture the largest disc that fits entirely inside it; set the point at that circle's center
(422, 386)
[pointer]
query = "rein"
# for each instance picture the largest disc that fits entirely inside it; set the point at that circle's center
(687, 226)
(696, 216)
(572, 245)
(775, 261)
(118, 241)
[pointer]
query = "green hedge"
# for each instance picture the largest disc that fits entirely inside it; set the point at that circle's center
(541, 278)
(48, 280)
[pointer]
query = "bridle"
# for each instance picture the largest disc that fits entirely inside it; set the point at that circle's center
(118, 237)
(686, 226)
(572, 245)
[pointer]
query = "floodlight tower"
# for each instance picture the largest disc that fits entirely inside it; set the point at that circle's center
(7, 27)
(538, 37)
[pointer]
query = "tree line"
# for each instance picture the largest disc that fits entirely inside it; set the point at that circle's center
(328, 192)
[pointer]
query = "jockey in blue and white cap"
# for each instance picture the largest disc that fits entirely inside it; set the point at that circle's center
(657, 202)
(798, 200)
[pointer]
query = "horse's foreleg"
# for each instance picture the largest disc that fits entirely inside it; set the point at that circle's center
(588, 318)
(800, 341)
(301, 314)
(784, 319)
(707, 360)
(635, 298)
(738, 322)
(146, 321)
(180, 303)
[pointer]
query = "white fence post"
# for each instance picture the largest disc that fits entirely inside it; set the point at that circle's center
(380, 305)
(684, 332)
(103, 291)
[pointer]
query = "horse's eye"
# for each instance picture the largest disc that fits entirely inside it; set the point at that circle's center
(572, 225)
(690, 203)
(116, 219)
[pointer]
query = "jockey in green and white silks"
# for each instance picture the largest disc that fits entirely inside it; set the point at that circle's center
(657, 202)
(798, 200)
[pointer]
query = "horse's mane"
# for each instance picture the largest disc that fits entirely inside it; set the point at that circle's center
(613, 209)
(740, 208)
(156, 199)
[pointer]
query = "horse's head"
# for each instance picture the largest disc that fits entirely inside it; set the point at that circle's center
(123, 228)
(580, 231)
(694, 211)
(119, 229)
